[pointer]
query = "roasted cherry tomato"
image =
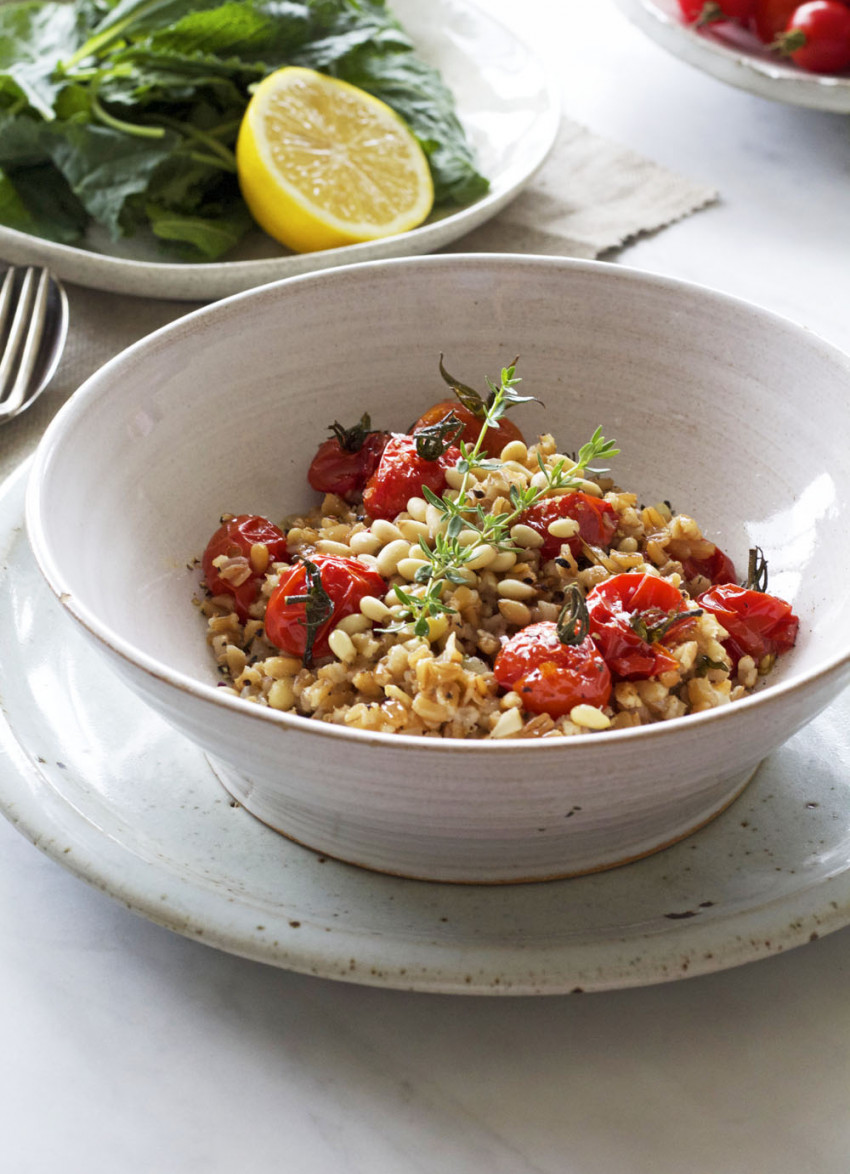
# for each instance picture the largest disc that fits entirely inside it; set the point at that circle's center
(495, 439)
(346, 461)
(597, 522)
(817, 37)
(630, 616)
(771, 18)
(235, 539)
(401, 474)
(758, 624)
(549, 676)
(717, 568)
(342, 583)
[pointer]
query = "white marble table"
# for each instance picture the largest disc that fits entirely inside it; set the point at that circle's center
(130, 1050)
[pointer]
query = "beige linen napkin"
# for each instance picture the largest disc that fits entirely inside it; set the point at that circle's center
(590, 197)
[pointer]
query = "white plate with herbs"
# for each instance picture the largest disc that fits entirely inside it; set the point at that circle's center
(507, 104)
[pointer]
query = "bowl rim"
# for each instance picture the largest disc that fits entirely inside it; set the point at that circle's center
(101, 383)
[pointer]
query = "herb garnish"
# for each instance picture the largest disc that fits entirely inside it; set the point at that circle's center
(318, 607)
(435, 440)
(654, 624)
(445, 564)
(757, 570)
(352, 439)
(573, 624)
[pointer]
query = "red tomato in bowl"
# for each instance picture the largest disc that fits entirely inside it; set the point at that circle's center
(235, 538)
(495, 439)
(817, 37)
(597, 522)
(549, 676)
(717, 568)
(345, 471)
(401, 474)
(344, 582)
(758, 624)
(627, 608)
(771, 18)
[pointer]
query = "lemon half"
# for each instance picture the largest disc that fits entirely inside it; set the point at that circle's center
(322, 163)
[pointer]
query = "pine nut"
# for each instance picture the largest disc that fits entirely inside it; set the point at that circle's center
(327, 546)
(539, 480)
(515, 612)
(510, 722)
(503, 561)
(589, 717)
(259, 557)
(416, 507)
(368, 560)
(433, 519)
(482, 556)
(454, 478)
(282, 695)
(437, 626)
(407, 567)
(391, 556)
(342, 646)
(385, 531)
(526, 537)
(515, 589)
(563, 528)
(412, 530)
(364, 542)
(515, 450)
(281, 666)
(468, 538)
(354, 623)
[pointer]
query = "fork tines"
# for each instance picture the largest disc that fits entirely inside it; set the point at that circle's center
(22, 322)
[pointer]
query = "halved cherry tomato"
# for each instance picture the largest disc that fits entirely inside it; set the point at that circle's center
(624, 607)
(597, 522)
(344, 471)
(817, 37)
(717, 568)
(235, 538)
(758, 624)
(345, 581)
(401, 474)
(495, 439)
(549, 676)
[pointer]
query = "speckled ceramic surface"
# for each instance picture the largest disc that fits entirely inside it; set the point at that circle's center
(736, 416)
(508, 104)
(732, 55)
(108, 790)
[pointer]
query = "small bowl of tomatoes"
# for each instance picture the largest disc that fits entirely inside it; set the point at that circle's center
(719, 409)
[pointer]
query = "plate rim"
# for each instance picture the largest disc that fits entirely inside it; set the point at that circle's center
(199, 911)
(176, 280)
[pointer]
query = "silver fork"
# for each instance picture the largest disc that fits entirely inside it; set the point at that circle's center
(33, 330)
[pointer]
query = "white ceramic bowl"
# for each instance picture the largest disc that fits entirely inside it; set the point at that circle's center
(736, 416)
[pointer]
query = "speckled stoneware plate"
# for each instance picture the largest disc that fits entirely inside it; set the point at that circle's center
(507, 101)
(102, 785)
(733, 55)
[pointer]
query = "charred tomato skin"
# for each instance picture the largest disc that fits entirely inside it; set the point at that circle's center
(614, 605)
(335, 469)
(758, 624)
(235, 538)
(495, 439)
(346, 582)
(549, 676)
(401, 474)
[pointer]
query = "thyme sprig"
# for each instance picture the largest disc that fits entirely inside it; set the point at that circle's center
(318, 607)
(445, 561)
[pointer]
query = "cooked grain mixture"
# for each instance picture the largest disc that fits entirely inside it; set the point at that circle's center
(502, 591)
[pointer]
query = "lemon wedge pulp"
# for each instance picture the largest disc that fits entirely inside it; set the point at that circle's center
(322, 163)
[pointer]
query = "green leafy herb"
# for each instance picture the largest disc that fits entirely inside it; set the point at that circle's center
(352, 439)
(446, 562)
(704, 664)
(131, 108)
(653, 624)
(573, 623)
(318, 606)
(435, 440)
